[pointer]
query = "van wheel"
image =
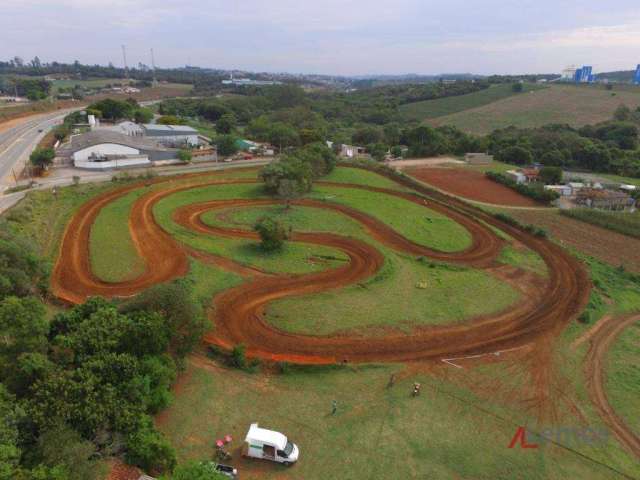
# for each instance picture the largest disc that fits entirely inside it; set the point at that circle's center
(286, 464)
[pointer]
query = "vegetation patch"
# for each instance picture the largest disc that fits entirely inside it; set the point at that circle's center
(524, 258)
(622, 222)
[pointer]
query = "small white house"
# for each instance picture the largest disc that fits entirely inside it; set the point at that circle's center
(516, 176)
(627, 188)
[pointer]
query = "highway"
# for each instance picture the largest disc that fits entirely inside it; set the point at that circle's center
(17, 143)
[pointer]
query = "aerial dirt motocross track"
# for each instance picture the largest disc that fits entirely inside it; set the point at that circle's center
(239, 311)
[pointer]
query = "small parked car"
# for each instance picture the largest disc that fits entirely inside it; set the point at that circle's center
(226, 470)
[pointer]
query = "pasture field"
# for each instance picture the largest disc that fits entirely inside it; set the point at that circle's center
(449, 105)
(575, 105)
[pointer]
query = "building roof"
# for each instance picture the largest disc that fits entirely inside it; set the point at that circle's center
(170, 129)
(257, 434)
(576, 184)
(97, 137)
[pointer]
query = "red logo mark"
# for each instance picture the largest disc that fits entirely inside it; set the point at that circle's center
(521, 437)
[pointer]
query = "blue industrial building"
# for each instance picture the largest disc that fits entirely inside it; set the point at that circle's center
(584, 75)
(636, 78)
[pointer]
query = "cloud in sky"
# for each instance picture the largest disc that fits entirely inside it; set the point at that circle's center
(332, 36)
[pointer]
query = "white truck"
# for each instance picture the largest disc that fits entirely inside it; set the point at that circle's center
(270, 445)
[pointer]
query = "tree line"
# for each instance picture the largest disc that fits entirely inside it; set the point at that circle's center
(82, 385)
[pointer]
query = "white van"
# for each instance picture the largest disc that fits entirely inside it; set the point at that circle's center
(270, 445)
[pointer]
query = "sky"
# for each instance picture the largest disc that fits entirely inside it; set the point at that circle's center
(336, 37)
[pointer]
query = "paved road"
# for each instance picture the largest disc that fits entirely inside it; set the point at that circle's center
(17, 143)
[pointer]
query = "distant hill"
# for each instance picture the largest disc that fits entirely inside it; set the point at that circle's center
(571, 104)
(619, 76)
(449, 105)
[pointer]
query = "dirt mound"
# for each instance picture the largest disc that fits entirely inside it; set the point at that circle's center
(239, 311)
(471, 185)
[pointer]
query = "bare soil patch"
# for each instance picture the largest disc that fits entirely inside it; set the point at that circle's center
(605, 245)
(471, 185)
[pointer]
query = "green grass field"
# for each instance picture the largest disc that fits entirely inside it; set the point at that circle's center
(623, 375)
(524, 258)
(415, 222)
(114, 257)
(407, 293)
(575, 105)
(450, 105)
(377, 432)
(91, 83)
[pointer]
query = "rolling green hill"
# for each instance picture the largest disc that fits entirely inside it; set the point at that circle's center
(571, 104)
(450, 105)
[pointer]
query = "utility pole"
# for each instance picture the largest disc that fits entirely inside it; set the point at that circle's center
(124, 58)
(153, 64)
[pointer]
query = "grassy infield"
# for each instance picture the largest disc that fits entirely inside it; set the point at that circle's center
(377, 432)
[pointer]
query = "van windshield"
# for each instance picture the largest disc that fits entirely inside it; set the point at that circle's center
(288, 448)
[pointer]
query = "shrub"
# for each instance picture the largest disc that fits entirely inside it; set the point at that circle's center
(184, 155)
(149, 450)
(272, 234)
(42, 157)
(238, 357)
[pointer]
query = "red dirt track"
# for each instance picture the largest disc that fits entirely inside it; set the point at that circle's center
(239, 311)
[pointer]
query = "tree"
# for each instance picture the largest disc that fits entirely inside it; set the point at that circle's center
(396, 151)
(378, 151)
(170, 120)
(367, 136)
(517, 87)
(288, 190)
(426, 141)
(42, 157)
(64, 448)
(288, 168)
(515, 155)
(272, 234)
(149, 450)
(23, 327)
(114, 109)
(227, 145)
(185, 155)
(10, 415)
(226, 124)
(143, 115)
(550, 175)
(184, 316)
(283, 135)
(553, 158)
